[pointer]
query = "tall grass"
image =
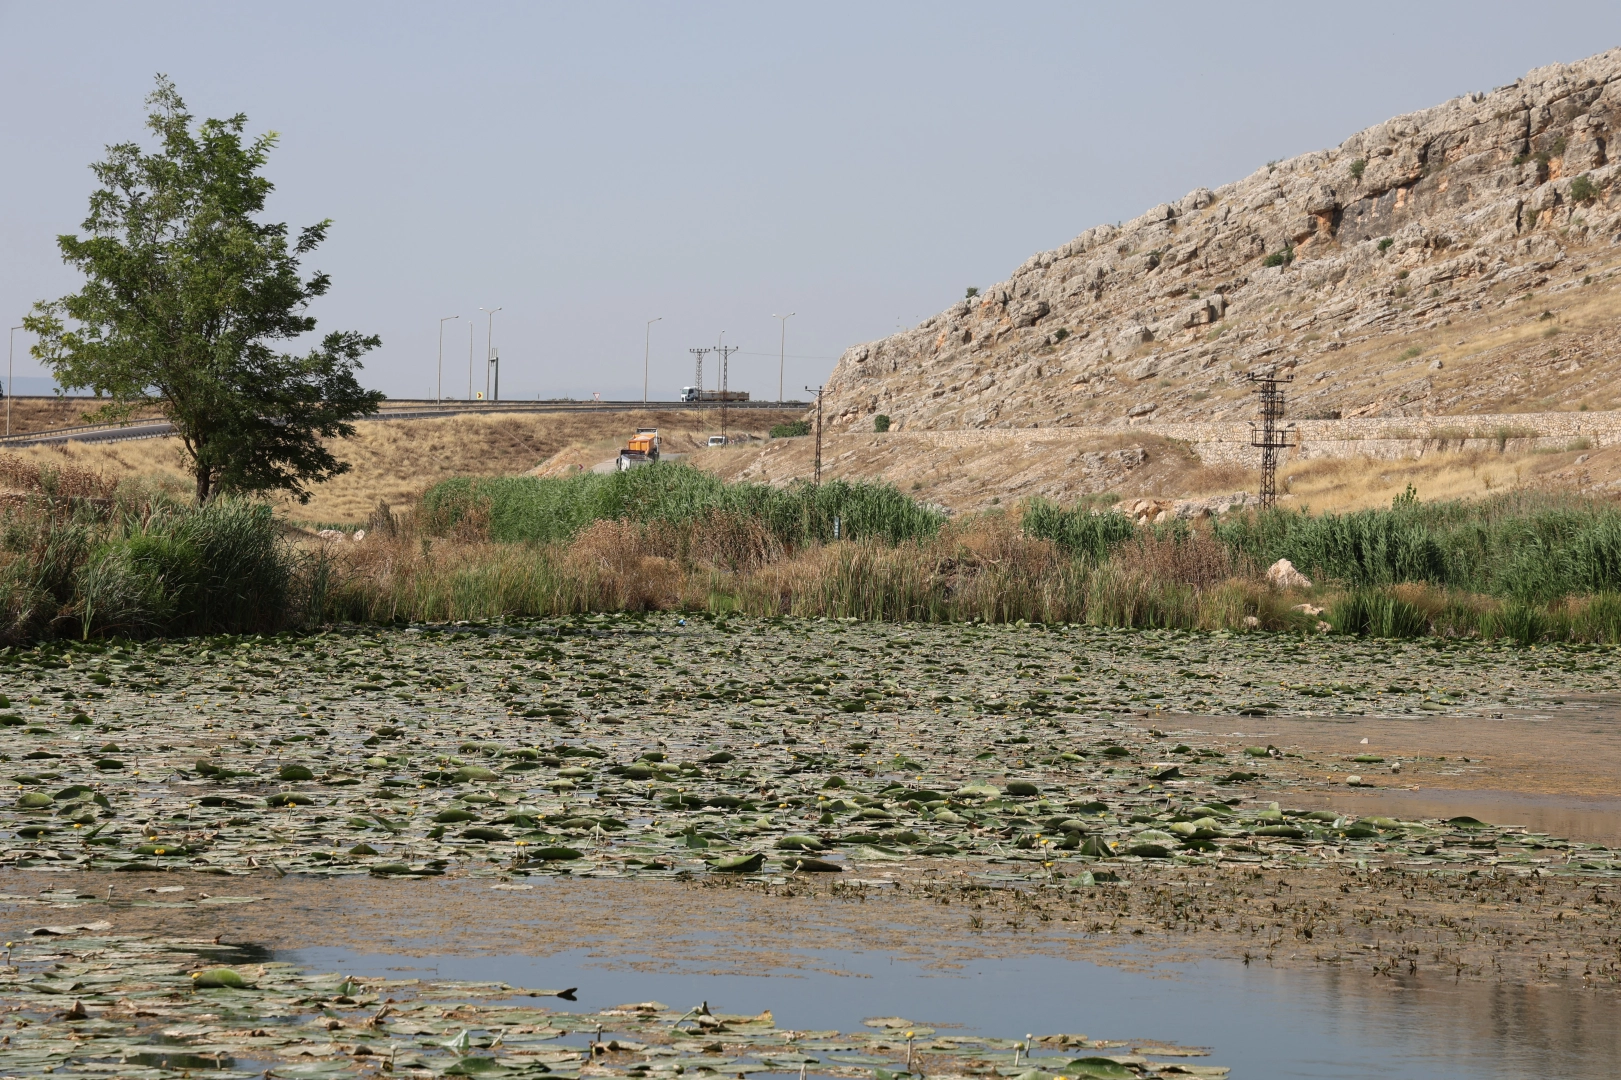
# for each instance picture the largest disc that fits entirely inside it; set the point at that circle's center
(1080, 531)
(1528, 547)
(542, 509)
(83, 558)
(80, 556)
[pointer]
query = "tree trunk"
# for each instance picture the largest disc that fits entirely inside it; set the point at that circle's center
(205, 484)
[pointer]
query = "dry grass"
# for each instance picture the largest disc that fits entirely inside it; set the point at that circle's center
(1339, 484)
(39, 413)
(393, 461)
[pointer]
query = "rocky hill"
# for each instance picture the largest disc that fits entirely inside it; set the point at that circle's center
(1452, 261)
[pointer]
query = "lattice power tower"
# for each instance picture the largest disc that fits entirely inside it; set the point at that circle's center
(1268, 435)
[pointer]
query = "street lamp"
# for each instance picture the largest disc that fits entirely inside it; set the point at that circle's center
(647, 344)
(11, 388)
(489, 345)
(441, 398)
(782, 354)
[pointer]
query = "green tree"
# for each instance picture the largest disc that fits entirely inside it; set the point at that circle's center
(186, 295)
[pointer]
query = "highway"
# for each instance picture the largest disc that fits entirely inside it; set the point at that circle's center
(157, 428)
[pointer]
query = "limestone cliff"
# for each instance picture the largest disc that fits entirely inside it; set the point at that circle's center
(1450, 261)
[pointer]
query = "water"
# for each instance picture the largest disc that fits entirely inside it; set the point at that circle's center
(1262, 1022)
(1587, 818)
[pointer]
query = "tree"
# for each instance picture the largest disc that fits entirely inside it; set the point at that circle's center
(186, 293)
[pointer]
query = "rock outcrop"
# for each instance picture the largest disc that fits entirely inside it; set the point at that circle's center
(1453, 260)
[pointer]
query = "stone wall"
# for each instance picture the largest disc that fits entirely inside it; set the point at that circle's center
(1219, 443)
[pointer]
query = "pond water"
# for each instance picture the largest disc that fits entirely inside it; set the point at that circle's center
(1592, 818)
(1261, 1022)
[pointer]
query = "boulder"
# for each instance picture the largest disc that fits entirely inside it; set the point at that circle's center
(1283, 575)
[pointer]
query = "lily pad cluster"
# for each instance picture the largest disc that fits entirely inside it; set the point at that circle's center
(137, 1007)
(664, 746)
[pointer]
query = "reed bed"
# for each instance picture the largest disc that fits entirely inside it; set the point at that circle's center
(80, 556)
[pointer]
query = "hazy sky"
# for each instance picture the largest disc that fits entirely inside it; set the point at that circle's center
(588, 167)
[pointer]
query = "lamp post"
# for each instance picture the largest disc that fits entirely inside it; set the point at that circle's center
(489, 346)
(11, 389)
(469, 361)
(782, 354)
(440, 400)
(647, 344)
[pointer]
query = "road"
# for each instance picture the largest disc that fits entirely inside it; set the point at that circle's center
(153, 428)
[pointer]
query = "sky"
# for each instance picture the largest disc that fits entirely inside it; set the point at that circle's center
(589, 167)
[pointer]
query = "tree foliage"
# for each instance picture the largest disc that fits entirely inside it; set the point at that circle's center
(187, 294)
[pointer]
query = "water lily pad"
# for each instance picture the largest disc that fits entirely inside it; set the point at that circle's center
(1098, 1068)
(220, 978)
(294, 773)
(484, 833)
(800, 843)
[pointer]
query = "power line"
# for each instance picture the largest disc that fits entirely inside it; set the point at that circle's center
(698, 375)
(726, 352)
(1270, 438)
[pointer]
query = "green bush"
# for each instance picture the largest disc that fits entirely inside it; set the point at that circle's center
(1358, 166)
(1280, 258)
(793, 429)
(1384, 245)
(880, 423)
(1582, 189)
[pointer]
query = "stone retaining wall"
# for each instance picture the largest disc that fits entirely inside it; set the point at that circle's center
(1228, 442)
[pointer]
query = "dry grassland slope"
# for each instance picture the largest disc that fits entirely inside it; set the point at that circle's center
(1452, 261)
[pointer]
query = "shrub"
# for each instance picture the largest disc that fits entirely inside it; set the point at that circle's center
(1358, 166)
(793, 429)
(973, 291)
(1582, 189)
(880, 423)
(1384, 245)
(1280, 258)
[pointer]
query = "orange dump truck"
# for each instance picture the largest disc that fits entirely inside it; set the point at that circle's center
(643, 449)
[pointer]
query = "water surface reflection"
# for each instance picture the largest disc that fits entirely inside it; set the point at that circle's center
(1262, 1022)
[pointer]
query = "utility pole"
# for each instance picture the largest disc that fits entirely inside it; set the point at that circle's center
(11, 388)
(698, 372)
(726, 352)
(1270, 438)
(469, 360)
(440, 398)
(489, 349)
(647, 344)
(782, 351)
(818, 393)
